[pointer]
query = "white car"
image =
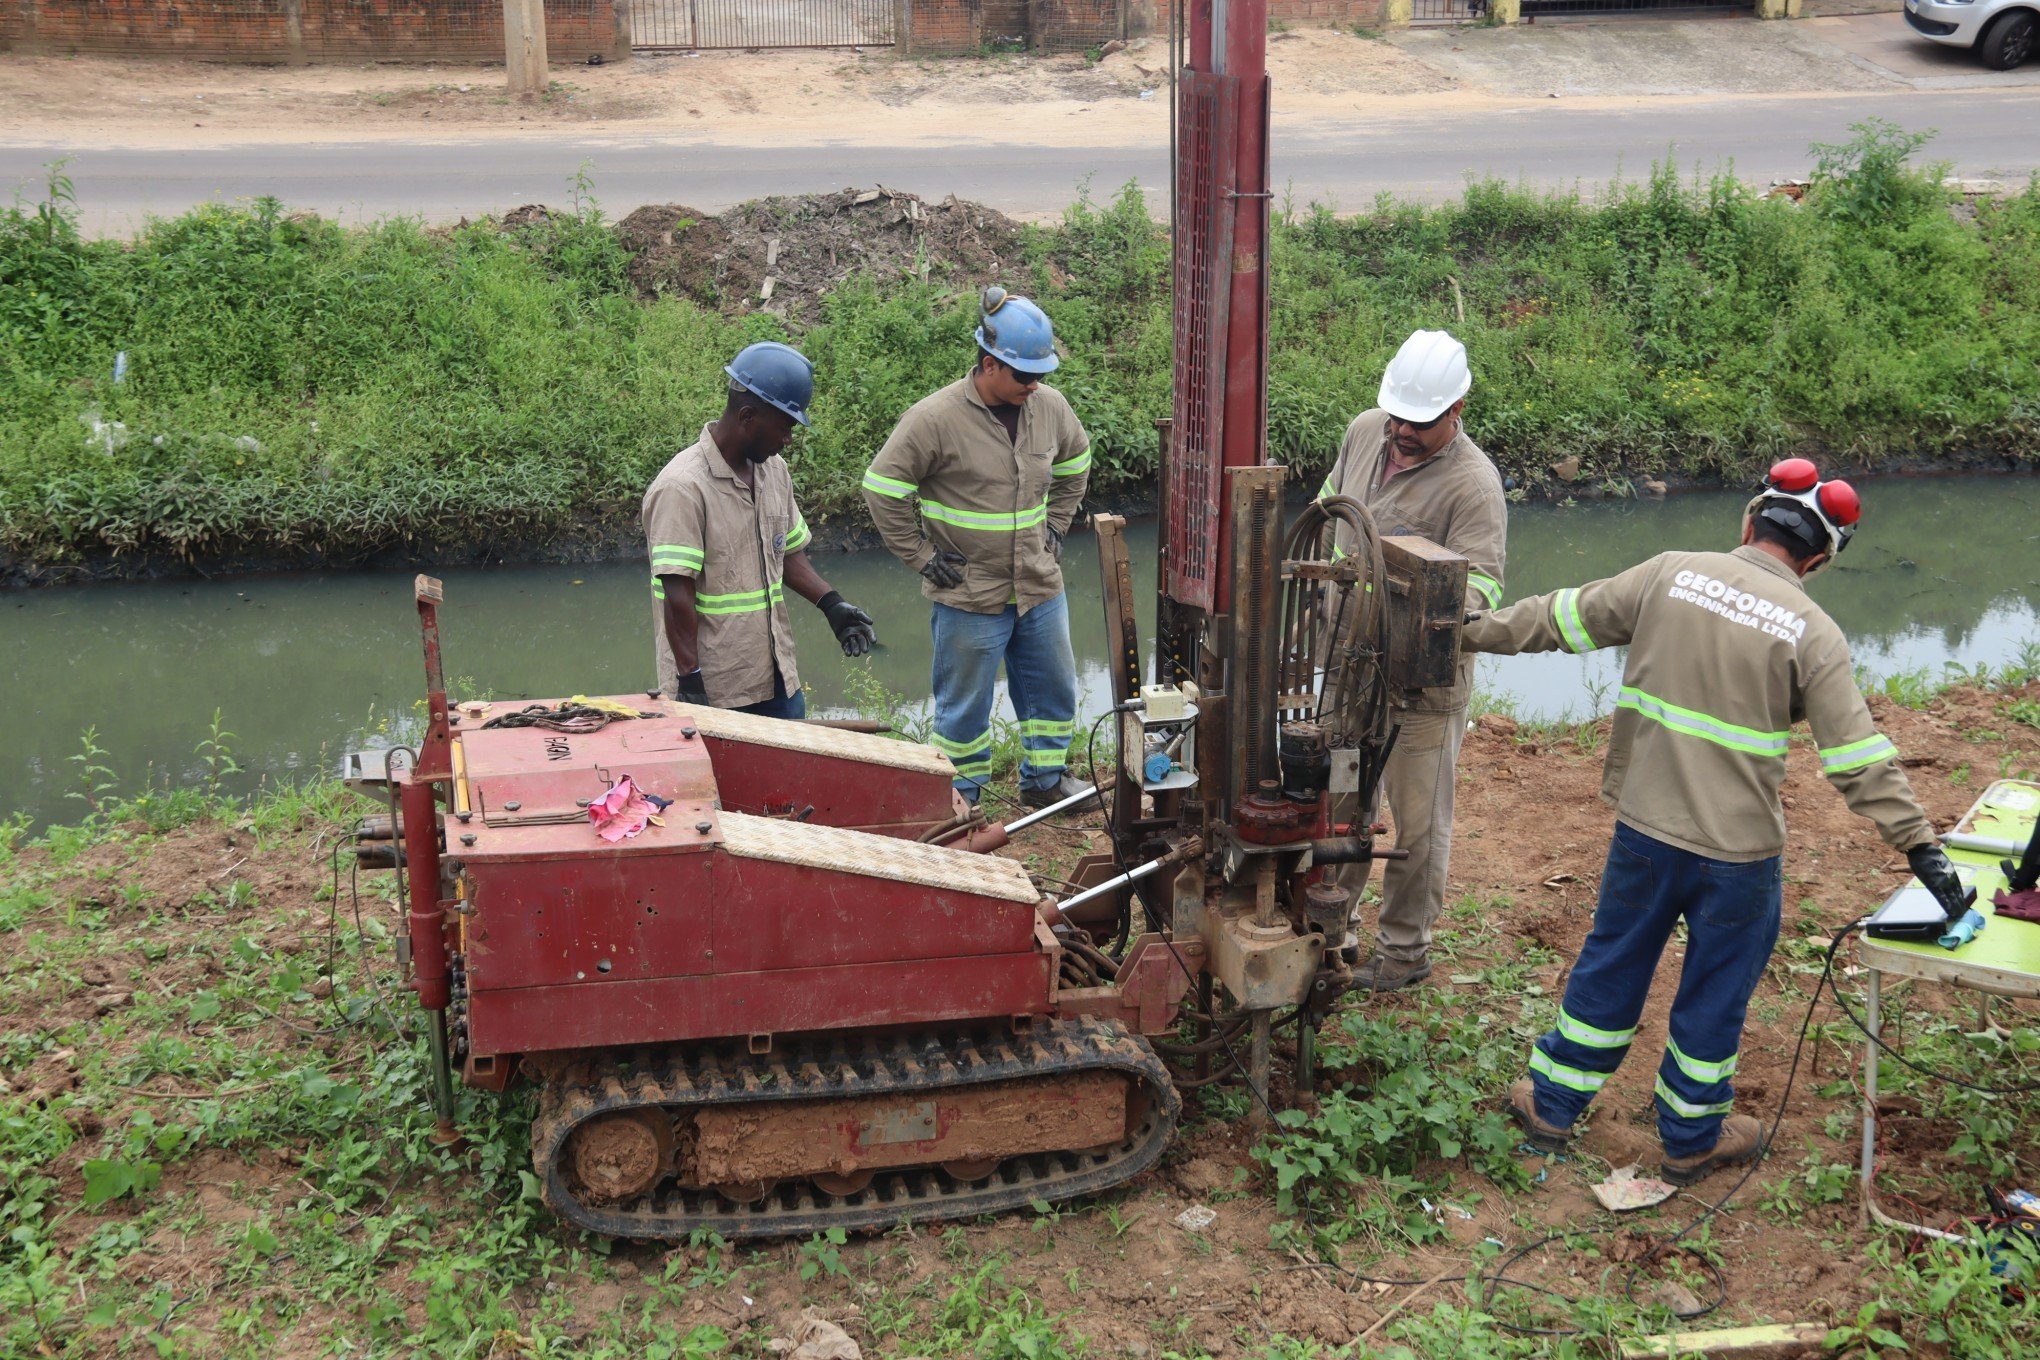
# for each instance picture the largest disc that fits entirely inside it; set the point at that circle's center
(2003, 32)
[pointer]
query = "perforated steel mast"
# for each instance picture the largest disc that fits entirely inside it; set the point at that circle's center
(1220, 227)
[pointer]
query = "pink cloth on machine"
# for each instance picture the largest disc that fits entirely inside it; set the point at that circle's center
(622, 812)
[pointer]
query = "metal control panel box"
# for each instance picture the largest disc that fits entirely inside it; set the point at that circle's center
(1426, 610)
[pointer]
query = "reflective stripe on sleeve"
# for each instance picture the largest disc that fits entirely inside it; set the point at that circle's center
(1857, 754)
(988, 522)
(1705, 1073)
(1070, 467)
(1687, 1108)
(889, 486)
(1689, 723)
(797, 538)
(1327, 491)
(1590, 1036)
(1487, 587)
(1571, 1077)
(1565, 611)
(740, 602)
(676, 555)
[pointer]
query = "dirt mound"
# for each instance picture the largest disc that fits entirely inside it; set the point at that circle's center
(520, 219)
(675, 250)
(781, 255)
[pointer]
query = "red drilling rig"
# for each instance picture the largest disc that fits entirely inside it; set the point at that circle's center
(806, 995)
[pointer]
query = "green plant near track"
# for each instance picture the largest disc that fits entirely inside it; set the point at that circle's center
(1423, 1092)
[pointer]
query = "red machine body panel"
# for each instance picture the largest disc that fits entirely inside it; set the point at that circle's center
(827, 776)
(793, 1001)
(613, 918)
(773, 916)
(712, 923)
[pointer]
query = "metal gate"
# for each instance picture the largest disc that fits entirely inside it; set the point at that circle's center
(1448, 11)
(692, 25)
(1538, 9)
(1474, 11)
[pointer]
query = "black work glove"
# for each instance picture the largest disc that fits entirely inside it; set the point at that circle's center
(944, 570)
(853, 627)
(1931, 866)
(1054, 541)
(689, 688)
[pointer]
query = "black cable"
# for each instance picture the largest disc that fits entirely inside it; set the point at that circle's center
(2027, 1088)
(1112, 838)
(1501, 1276)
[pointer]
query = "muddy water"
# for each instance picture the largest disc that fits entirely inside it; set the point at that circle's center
(302, 666)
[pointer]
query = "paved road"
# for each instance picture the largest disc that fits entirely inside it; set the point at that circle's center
(1984, 133)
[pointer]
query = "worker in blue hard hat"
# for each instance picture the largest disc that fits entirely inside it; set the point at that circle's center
(726, 540)
(997, 462)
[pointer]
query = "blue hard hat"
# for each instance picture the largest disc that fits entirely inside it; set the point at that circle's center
(1016, 332)
(780, 375)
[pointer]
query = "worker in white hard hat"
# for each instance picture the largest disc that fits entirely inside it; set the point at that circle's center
(1410, 462)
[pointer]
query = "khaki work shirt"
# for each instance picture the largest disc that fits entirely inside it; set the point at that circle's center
(1726, 653)
(982, 493)
(731, 540)
(1454, 498)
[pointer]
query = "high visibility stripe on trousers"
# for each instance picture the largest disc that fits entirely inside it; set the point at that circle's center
(972, 757)
(1047, 743)
(1575, 1060)
(1695, 1088)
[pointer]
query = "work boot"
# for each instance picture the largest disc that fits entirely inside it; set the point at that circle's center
(1741, 1140)
(1068, 786)
(1547, 1138)
(1383, 974)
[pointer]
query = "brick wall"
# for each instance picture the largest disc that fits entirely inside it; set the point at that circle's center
(1345, 13)
(303, 30)
(958, 26)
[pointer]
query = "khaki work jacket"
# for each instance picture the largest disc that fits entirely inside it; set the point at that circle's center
(982, 493)
(1454, 498)
(731, 540)
(1726, 653)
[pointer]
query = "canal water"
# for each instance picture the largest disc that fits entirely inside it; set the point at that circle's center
(304, 667)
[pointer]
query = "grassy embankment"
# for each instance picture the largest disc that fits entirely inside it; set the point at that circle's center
(214, 1141)
(295, 389)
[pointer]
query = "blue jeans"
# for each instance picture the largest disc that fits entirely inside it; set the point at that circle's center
(781, 704)
(1041, 677)
(1731, 913)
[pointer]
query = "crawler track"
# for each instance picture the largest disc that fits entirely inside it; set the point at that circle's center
(829, 1068)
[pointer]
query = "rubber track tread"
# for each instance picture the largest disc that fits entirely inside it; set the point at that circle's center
(831, 1068)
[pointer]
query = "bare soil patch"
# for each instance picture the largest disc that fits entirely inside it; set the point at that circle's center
(1532, 833)
(742, 98)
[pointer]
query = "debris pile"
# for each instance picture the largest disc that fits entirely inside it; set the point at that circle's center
(781, 255)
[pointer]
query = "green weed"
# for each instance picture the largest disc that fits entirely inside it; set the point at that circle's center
(295, 387)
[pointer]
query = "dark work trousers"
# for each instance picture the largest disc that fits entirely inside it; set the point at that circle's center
(1731, 913)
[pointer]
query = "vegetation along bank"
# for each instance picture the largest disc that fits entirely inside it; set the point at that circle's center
(259, 386)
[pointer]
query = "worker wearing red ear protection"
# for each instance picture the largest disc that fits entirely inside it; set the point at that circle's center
(1819, 515)
(1726, 654)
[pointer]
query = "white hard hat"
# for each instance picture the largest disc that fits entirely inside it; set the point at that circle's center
(1427, 375)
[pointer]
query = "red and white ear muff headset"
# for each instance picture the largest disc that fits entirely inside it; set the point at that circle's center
(1822, 515)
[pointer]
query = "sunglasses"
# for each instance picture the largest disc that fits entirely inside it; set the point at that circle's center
(1025, 379)
(1430, 424)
